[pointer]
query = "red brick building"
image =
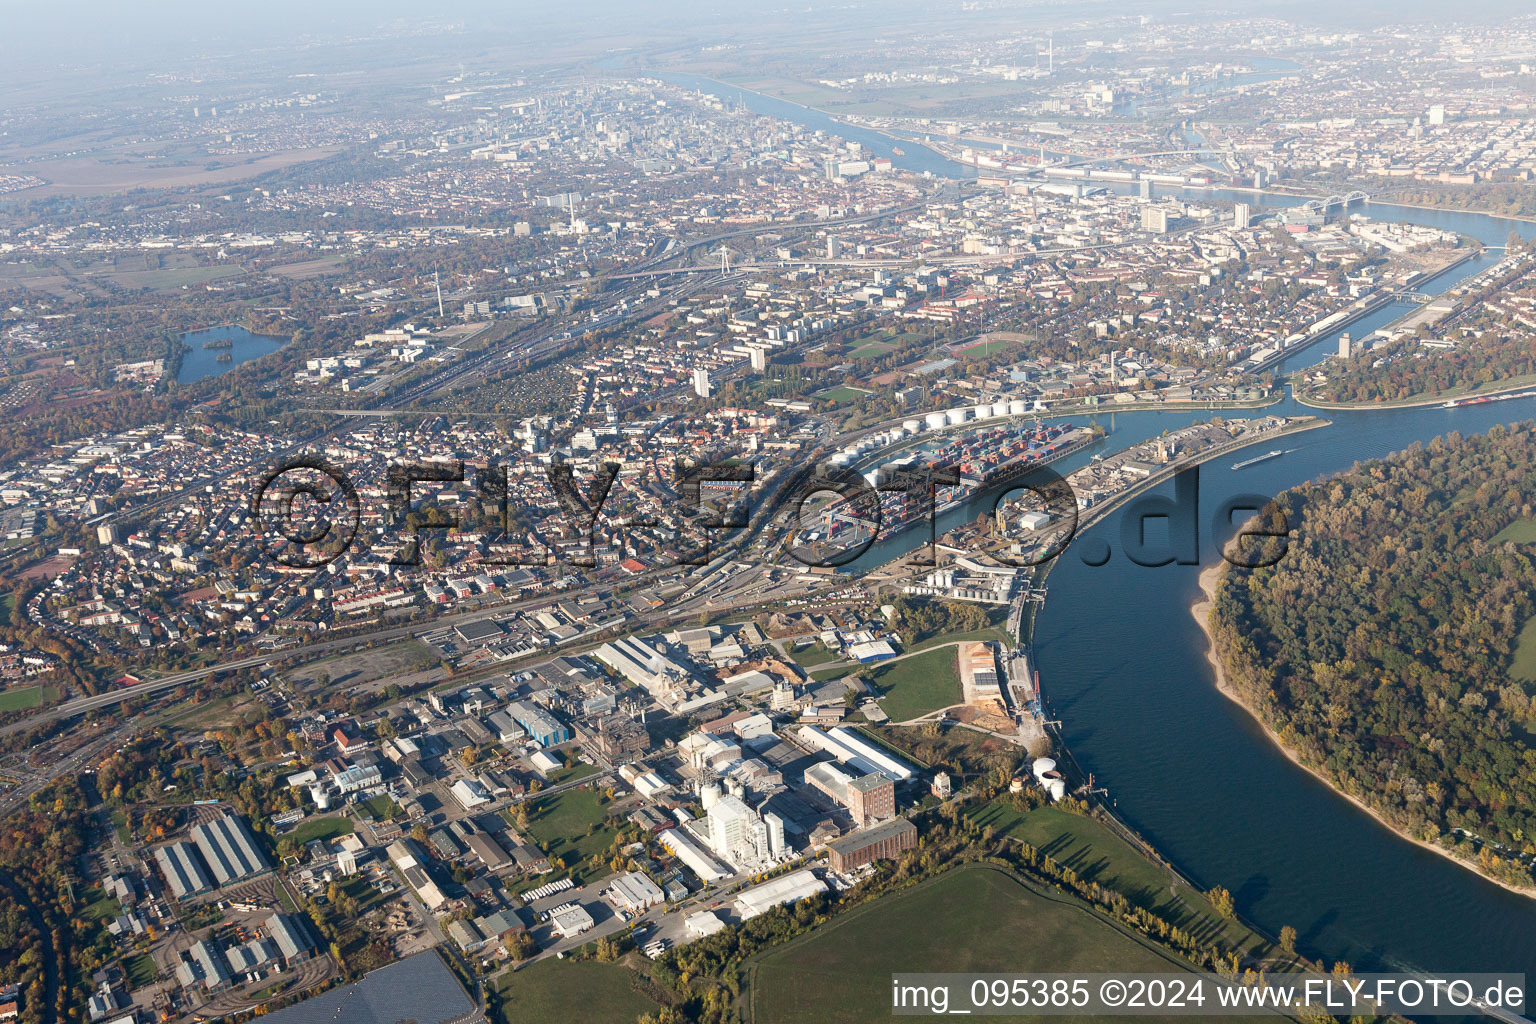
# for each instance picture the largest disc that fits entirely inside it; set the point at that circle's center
(879, 842)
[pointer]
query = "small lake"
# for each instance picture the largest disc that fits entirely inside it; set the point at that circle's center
(199, 362)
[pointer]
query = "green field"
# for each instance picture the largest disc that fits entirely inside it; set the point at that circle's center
(997, 615)
(910, 687)
(1521, 531)
(311, 829)
(917, 685)
(972, 919)
(380, 808)
(872, 348)
(987, 348)
(1099, 855)
(20, 698)
(103, 906)
(810, 656)
(140, 970)
(1523, 667)
(559, 825)
(565, 990)
(579, 770)
(843, 394)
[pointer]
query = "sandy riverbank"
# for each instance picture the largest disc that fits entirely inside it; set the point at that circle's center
(1201, 610)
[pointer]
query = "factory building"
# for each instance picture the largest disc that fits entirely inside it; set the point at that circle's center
(229, 849)
(507, 731)
(402, 853)
(869, 798)
(295, 940)
(740, 835)
(634, 892)
(570, 920)
(469, 793)
(182, 870)
(361, 777)
(204, 966)
(544, 728)
(852, 749)
(790, 888)
(692, 855)
(248, 957)
(878, 842)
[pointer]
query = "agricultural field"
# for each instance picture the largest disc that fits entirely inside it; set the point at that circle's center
(565, 990)
(1097, 854)
(972, 919)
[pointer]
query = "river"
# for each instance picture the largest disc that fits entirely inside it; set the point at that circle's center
(1123, 666)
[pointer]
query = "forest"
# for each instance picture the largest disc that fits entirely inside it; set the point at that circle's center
(1379, 648)
(1414, 370)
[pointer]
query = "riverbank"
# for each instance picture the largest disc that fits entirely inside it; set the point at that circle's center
(1512, 386)
(1210, 577)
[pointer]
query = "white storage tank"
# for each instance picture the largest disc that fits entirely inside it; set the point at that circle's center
(1057, 788)
(937, 420)
(913, 426)
(1042, 765)
(1018, 408)
(985, 412)
(959, 415)
(709, 795)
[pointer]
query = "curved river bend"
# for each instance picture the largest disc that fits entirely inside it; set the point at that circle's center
(1123, 666)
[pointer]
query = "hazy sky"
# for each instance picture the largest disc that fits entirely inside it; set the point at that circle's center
(137, 33)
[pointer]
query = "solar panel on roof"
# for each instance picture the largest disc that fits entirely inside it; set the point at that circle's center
(417, 990)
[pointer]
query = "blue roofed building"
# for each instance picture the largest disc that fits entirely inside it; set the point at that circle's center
(545, 729)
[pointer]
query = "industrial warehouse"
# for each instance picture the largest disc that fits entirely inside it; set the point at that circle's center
(221, 852)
